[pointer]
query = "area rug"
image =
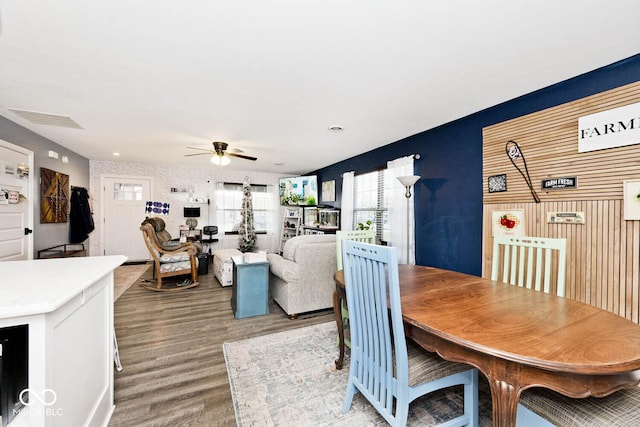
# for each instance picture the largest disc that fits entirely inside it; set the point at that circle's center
(289, 378)
(125, 276)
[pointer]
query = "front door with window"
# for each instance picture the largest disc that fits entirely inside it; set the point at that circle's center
(16, 202)
(124, 201)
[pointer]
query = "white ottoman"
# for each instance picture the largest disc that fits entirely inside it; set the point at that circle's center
(223, 266)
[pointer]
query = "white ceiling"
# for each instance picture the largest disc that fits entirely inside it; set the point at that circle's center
(148, 78)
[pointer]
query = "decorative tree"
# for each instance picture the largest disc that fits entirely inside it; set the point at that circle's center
(247, 230)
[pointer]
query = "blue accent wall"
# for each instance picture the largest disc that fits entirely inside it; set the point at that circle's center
(448, 204)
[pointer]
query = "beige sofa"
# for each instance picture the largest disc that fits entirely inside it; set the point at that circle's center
(301, 280)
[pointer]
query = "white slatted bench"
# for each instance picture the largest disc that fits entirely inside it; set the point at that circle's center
(542, 407)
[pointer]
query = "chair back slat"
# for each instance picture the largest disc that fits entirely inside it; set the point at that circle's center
(505, 268)
(538, 255)
(537, 263)
(547, 271)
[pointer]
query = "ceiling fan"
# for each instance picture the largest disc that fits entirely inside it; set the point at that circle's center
(220, 153)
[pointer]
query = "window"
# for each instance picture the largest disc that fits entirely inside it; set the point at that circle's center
(229, 207)
(371, 202)
(126, 191)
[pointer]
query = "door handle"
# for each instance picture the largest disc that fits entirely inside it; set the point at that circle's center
(27, 231)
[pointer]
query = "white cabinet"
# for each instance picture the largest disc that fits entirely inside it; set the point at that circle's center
(68, 307)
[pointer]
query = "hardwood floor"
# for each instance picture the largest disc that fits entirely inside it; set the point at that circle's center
(171, 350)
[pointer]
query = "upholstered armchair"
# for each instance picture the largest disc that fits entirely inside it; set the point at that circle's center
(169, 258)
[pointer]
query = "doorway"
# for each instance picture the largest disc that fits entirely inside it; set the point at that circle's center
(16, 202)
(123, 200)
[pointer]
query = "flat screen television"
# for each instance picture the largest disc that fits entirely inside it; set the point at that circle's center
(192, 211)
(299, 191)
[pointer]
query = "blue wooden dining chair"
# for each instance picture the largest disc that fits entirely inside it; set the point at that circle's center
(389, 371)
(366, 236)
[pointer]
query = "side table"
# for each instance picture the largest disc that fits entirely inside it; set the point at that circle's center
(250, 292)
(192, 234)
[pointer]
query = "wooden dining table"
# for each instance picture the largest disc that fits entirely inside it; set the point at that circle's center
(518, 338)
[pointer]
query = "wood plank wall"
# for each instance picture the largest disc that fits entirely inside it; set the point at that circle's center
(603, 267)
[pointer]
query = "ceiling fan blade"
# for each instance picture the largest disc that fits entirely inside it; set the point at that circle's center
(242, 156)
(197, 154)
(201, 149)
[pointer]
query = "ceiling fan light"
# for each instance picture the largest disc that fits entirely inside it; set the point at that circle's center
(219, 160)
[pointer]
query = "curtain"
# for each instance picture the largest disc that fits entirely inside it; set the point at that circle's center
(401, 210)
(346, 203)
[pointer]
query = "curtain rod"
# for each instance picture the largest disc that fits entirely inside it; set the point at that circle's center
(415, 156)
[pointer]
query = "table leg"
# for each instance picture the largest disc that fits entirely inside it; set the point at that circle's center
(337, 310)
(505, 398)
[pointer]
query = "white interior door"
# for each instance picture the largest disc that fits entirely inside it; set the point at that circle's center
(16, 202)
(124, 201)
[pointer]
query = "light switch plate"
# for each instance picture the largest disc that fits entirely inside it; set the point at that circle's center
(565, 217)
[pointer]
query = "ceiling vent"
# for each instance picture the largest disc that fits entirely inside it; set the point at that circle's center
(47, 119)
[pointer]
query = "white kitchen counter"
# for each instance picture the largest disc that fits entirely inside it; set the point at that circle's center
(44, 285)
(67, 304)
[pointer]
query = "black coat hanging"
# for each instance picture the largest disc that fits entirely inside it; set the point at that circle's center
(80, 215)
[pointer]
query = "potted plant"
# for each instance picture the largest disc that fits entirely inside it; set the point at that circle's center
(365, 226)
